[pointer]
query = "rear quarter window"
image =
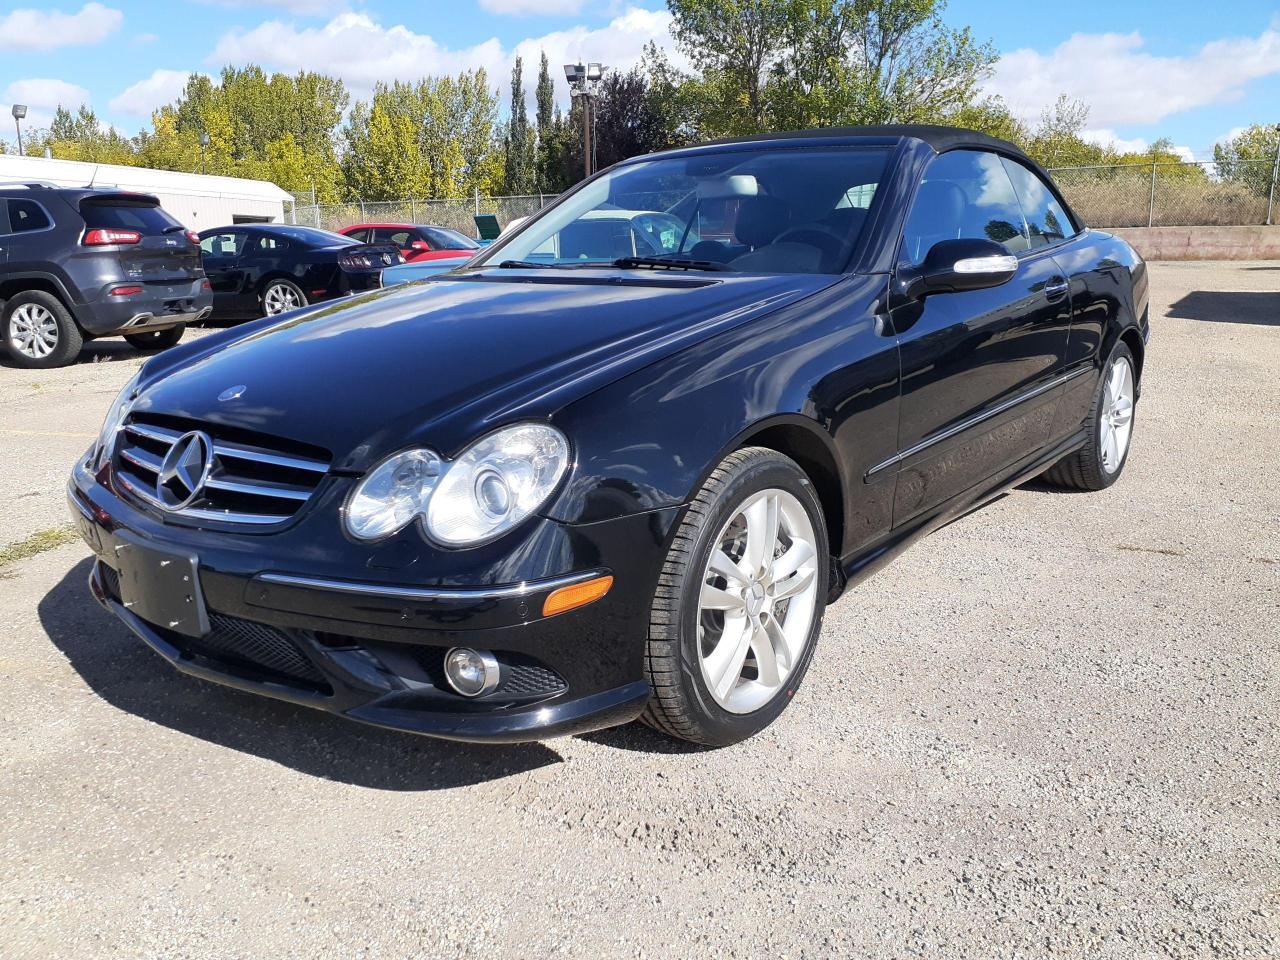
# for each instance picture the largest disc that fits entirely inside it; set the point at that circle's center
(146, 218)
(26, 216)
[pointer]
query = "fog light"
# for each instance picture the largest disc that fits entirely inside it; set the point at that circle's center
(471, 673)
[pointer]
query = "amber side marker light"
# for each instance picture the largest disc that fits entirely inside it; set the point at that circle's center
(577, 595)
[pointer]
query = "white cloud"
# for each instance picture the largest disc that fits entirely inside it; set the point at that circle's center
(45, 94)
(141, 98)
(1108, 138)
(33, 29)
(542, 8)
(360, 50)
(1122, 84)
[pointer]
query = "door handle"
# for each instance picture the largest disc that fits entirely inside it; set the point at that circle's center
(1056, 289)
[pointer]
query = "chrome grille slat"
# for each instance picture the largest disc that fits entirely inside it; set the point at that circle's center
(247, 483)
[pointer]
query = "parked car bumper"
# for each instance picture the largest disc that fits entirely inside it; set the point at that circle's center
(156, 308)
(372, 650)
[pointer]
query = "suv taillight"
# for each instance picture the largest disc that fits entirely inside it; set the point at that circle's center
(193, 237)
(98, 238)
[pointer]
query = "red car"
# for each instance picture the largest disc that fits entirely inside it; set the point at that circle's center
(416, 242)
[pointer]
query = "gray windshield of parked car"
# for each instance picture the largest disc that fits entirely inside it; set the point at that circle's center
(754, 211)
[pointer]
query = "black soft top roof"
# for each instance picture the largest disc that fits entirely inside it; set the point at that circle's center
(937, 136)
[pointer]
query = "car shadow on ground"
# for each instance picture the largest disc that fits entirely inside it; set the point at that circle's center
(1258, 308)
(94, 351)
(124, 672)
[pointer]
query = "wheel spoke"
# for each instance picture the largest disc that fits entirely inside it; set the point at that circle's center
(798, 554)
(768, 652)
(797, 583)
(724, 665)
(762, 532)
(722, 564)
(713, 598)
(1122, 411)
(1110, 450)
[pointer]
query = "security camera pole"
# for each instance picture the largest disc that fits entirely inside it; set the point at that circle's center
(584, 82)
(19, 111)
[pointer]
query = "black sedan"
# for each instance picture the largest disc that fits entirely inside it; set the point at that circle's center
(260, 270)
(567, 485)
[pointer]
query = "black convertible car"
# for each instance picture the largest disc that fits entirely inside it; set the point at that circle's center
(260, 270)
(570, 485)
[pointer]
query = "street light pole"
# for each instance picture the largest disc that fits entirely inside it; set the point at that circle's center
(584, 80)
(204, 142)
(19, 111)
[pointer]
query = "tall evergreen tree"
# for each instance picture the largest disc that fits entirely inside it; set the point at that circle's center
(520, 147)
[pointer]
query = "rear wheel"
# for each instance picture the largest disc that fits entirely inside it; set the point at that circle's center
(40, 331)
(156, 339)
(1098, 464)
(281, 296)
(739, 602)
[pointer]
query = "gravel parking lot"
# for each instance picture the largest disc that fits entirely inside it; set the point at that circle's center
(1051, 728)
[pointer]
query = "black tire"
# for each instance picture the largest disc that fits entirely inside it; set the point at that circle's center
(1083, 469)
(681, 705)
(157, 339)
(292, 289)
(69, 338)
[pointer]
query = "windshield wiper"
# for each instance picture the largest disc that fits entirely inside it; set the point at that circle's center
(662, 263)
(528, 265)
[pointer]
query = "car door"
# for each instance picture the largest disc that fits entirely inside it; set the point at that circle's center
(5, 238)
(400, 237)
(979, 367)
(220, 253)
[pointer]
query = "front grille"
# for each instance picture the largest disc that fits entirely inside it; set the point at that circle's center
(110, 581)
(257, 645)
(251, 479)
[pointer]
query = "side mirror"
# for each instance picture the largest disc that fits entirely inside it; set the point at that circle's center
(419, 246)
(952, 266)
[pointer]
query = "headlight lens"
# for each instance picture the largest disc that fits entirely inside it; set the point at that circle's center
(497, 483)
(111, 425)
(396, 492)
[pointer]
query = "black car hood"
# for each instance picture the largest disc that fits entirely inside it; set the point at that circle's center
(440, 362)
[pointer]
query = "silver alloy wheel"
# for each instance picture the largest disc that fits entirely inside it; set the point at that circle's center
(279, 298)
(33, 331)
(757, 602)
(1117, 415)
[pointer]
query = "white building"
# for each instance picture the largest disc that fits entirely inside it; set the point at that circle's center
(198, 200)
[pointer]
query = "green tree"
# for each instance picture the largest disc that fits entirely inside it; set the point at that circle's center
(519, 145)
(1249, 157)
(81, 136)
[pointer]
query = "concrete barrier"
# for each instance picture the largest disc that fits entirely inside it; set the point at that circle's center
(1202, 243)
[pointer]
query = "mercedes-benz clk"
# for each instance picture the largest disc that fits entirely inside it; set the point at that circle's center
(617, 465)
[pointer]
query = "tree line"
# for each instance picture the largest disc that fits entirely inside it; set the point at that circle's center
(757, 66)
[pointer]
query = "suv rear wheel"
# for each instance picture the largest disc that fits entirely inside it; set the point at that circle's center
(156, 339)
(39, 331)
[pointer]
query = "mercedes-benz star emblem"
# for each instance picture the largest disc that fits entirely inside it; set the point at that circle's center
(184, 470)
(232, 393)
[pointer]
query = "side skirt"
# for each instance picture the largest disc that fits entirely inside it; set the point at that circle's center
(857, 568)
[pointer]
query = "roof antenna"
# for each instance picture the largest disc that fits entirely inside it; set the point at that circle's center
(96, 168)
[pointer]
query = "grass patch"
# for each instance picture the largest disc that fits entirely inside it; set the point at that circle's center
(37, 543)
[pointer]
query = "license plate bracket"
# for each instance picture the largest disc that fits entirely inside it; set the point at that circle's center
(161, 587)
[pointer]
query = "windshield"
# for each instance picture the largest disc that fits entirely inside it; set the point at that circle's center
(442, 238)
(767, 210)
(313, 236)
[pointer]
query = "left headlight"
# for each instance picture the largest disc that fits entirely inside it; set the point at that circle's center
(111, 425)
(495, 484)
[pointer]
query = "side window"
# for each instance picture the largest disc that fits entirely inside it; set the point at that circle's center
(964, 194)
(26, 216)
(400, 238)
(1046, 220)
(222, 245)
(359, 236)
(269, 245)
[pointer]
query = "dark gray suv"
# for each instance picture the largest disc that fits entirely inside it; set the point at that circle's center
(78, 263)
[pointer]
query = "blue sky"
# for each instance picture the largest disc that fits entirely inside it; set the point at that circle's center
(1190, 71)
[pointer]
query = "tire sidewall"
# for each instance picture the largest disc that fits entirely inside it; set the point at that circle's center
(719, 725)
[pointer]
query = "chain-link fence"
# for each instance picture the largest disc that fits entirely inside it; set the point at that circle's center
(1172, 194)
(1116, 195)
(457, 214)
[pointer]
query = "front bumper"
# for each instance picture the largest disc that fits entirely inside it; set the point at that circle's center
(372, 651)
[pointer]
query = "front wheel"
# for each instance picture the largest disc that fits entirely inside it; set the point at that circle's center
(281, 296)
(739, 602)
(156, 339)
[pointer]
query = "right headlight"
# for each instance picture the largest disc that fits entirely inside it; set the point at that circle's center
(495, 484)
